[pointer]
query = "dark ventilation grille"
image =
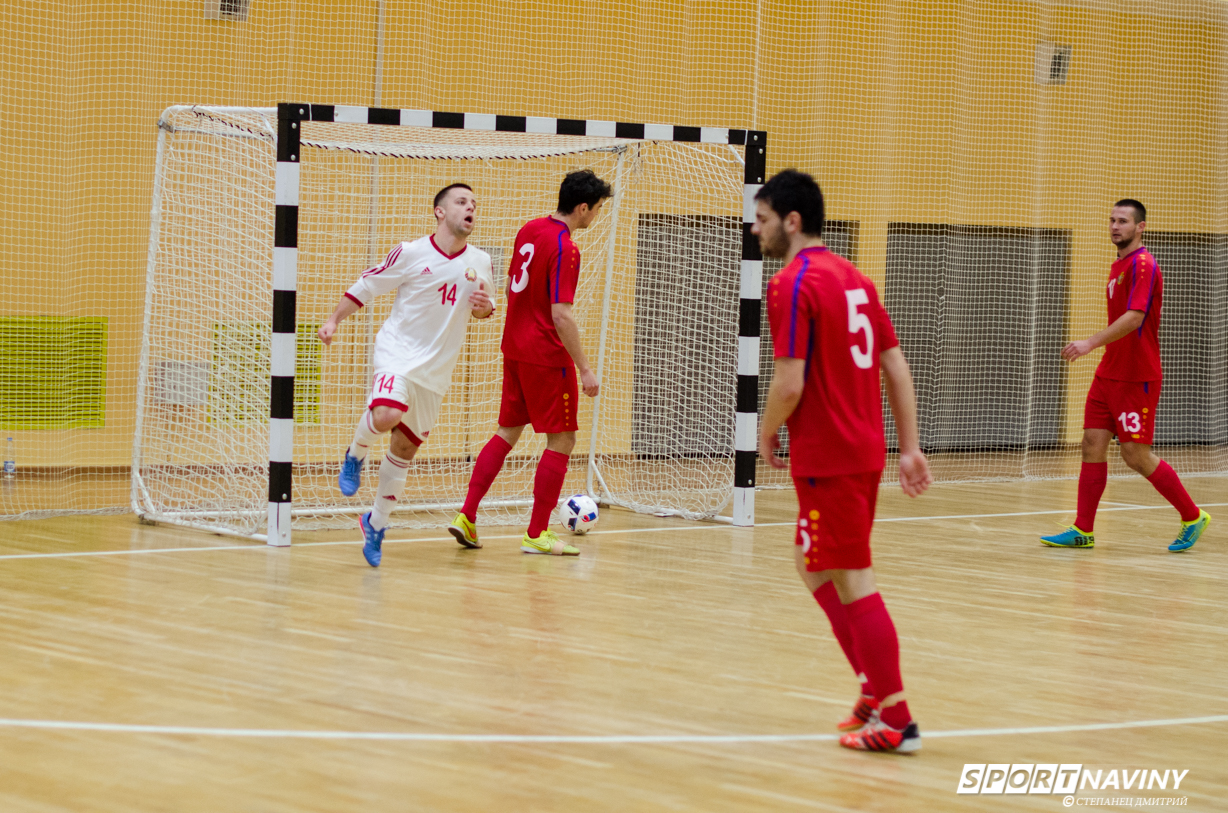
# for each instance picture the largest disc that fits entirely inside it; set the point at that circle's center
(1052, 66)
(685, 359)
(1193, 406)
(234, 10)
(981, 314)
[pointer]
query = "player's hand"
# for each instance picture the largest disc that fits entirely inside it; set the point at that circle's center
(326, 332)
(480, 302)
(915, 475)
(590, 383)
(768, 444)
(1077, 349)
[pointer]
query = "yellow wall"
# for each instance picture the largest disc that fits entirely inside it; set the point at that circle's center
(922, 111)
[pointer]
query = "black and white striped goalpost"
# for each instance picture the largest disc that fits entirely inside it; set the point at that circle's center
(285, 270)
(282, 350)
(746, 422)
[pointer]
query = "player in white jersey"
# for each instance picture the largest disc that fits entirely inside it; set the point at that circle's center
(416, 349)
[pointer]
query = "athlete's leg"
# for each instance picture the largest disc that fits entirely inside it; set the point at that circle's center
(487, 467)
(373, 423)
(824, 591)
(1093, 476)
(384, 418)
(364, 436)
(548, 480)
(1140, 457)
(392, 474)
(875, 640)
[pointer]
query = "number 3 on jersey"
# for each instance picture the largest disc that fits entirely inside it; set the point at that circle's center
(859, 322)
(521, 282)
(447, 294)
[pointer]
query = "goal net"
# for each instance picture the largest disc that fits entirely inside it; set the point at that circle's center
(658, 306)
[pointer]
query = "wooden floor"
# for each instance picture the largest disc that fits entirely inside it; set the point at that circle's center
(155, 669)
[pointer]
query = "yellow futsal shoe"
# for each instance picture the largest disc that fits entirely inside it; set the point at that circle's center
(548, 542)
(466, 532)
(1191, 531)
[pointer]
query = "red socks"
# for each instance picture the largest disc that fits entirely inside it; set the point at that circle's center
(547, 485)
(829, 600)
(878, 650)
(1169, 485)
(1092, 479)
(485, 470)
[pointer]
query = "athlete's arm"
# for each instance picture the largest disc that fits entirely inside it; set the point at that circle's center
(480, 303)
(1129, 321)
(785, 393)
(569, 334)
(345, 309)
(914, 468)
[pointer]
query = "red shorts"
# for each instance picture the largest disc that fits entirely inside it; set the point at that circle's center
(834, 519)
(1125, 408)
(543, 395)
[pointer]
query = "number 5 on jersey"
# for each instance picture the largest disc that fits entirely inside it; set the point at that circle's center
(859, 322)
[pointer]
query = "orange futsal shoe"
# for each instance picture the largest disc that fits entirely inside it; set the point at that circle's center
(862, 712)
(878, 736)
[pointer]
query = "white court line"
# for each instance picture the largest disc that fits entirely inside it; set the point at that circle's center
(614, 739)
(695, 527)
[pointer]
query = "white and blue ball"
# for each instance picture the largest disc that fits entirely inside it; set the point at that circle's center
(578, 513)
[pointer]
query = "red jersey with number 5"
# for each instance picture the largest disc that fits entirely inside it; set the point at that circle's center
(1135, 284)
(544, 271)
(822, 309)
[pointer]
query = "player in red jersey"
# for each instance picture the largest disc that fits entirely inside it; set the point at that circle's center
(1124, 394)
(832, 338)
(541, 351)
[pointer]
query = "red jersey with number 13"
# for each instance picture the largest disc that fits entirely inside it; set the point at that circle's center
(822, 309)
(1135, 284)
(544, 271)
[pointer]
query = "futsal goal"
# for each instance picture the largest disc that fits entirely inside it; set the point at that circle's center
(261, 218)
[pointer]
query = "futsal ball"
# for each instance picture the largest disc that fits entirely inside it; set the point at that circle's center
(578, 513)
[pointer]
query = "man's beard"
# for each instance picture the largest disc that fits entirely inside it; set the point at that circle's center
(777, 247)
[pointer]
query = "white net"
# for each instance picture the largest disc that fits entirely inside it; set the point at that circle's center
(657, 305)
(968, 149)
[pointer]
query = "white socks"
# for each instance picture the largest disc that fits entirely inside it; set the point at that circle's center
(392, 474)
(364, 436)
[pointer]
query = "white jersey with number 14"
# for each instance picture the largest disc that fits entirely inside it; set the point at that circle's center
(425, 331)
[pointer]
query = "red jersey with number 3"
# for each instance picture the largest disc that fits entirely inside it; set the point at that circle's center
(1135, 284)
(544, 271)
(822, 309)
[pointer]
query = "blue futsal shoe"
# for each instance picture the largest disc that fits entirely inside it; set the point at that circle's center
(1072, 537)
(1191, 531)
(371, 549)
(351, 474)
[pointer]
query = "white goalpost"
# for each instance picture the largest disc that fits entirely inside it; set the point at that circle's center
(262, 217)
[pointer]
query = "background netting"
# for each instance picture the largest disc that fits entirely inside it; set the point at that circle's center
(969, 152)
(659, 302)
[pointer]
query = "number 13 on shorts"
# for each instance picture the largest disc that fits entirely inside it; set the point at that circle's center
(1130, 421)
